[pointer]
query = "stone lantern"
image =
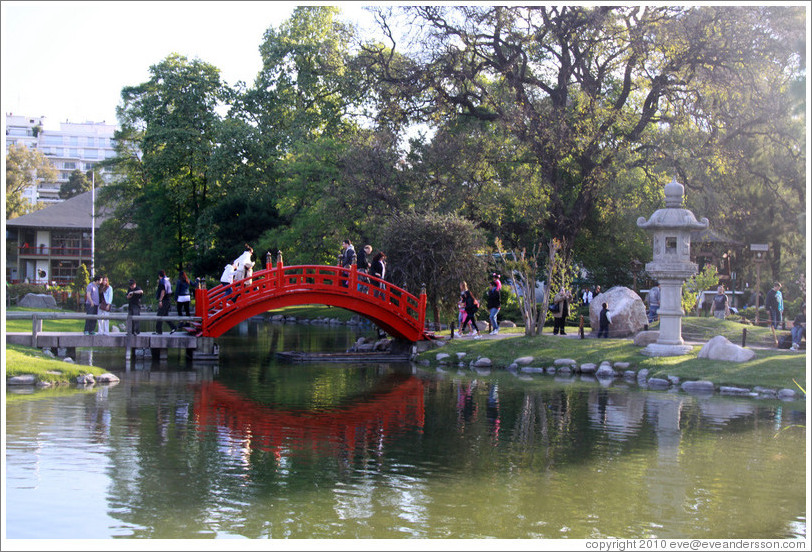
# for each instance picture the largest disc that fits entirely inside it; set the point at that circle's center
(671, 266)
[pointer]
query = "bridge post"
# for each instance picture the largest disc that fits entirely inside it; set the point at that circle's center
(353, 276)
(421, 314)
(202, 307)
(280, 269)
(36, 328)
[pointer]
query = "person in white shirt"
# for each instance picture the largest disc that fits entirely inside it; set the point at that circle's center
(227, 278)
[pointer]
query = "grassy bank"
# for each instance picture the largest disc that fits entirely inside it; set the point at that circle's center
(772, 368)
(26, 360)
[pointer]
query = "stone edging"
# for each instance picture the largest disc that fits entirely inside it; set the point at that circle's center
(83, 380)
(606, 372)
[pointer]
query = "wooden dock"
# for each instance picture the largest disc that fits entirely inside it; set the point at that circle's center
(197, 347)
(377, 356)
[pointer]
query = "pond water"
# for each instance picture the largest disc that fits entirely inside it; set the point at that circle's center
(250, 447)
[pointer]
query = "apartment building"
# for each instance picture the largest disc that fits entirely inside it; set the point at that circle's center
(74, 146)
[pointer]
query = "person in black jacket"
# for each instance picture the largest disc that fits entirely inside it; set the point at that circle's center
(183, 294)
(470, 310)
(134, 294)
(494, 305)
(605, 320)
(378, 269)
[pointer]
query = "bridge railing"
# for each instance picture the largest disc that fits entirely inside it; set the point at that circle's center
(129, 319)
(218, 302)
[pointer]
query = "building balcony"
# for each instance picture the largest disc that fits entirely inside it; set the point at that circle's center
(43, 251)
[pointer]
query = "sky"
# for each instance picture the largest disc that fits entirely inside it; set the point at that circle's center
(70, 60)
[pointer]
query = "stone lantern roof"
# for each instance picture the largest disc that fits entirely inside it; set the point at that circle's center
(673, 216)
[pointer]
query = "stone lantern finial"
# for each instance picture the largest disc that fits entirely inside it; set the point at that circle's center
(674, 192)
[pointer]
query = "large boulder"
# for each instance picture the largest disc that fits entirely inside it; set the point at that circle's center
(720, 348)
(626, 309)
(37, 301)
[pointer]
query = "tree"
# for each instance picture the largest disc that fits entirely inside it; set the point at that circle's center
(174, 113)
(77, 183)
(438, 251)
(584, 92)
(25, 169)
(80, 284)
(696, 284)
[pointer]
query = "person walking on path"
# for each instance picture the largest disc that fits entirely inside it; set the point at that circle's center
(604, 320)
(471, 306)
(494, 305)
(720, 306)
(105, 304)
(134, 294)
(798, 328)
(775, 308)
(561, 301)
(92, 304)
(164, 296)
(653, 302)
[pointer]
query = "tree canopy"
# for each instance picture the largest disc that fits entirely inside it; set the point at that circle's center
(530, 123)
(24, 168)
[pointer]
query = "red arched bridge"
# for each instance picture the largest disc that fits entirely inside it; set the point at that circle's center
(393, 309)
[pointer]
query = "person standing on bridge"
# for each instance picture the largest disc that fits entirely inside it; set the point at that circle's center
(105, 304)
(346, 258)
(92, 304)
(378, 269)
(164, 296)
(227, 278)
(183, 297)
(244, 264)
(363, 267)
(134, 294)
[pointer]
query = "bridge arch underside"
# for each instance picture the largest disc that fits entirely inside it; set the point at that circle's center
(373, 309)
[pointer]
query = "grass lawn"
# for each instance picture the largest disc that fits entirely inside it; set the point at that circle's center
(47, 325)
(772, 368)
(26, 360)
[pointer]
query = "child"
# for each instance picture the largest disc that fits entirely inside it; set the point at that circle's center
(605, 320)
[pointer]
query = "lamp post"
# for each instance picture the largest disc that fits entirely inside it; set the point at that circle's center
(759, 253)
(92, 224)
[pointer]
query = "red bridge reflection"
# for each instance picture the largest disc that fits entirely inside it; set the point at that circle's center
(382, 414)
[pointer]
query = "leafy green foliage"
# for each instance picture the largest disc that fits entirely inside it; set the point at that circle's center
(572, 143)
(703, 281)
(77, 183)
(438, 251)
(24, 168)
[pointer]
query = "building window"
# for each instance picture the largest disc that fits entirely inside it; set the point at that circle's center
(74, 140)
(64, 271)
(66, 243)
(50, 140)
(69, 165)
